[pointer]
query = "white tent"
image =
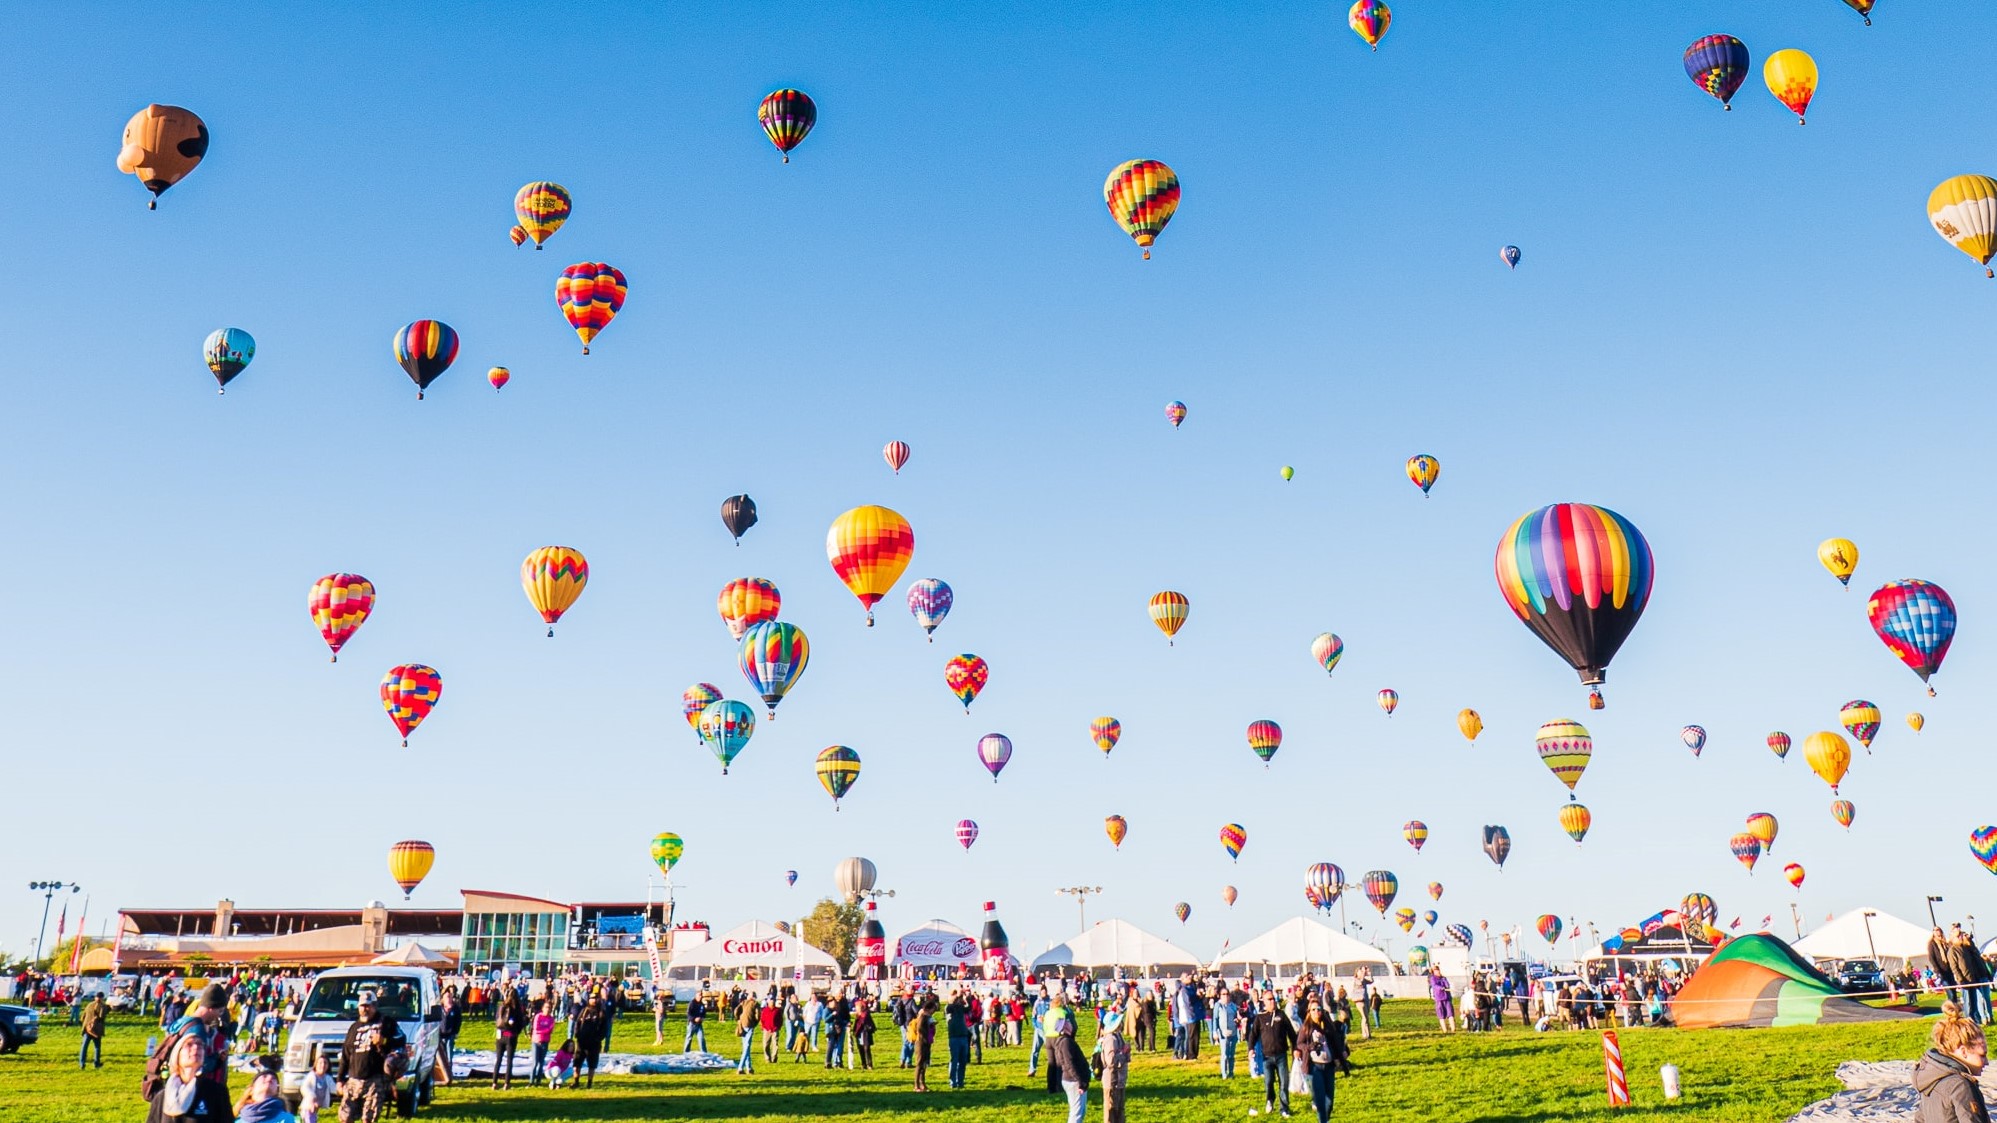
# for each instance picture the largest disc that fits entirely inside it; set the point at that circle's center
(1111, 944)
(756, 946)
(938, 943)
(1868, 933)
(414, 954)
(1299, 945)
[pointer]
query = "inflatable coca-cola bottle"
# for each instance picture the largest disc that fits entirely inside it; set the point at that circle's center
(872, 947)
(992, 943)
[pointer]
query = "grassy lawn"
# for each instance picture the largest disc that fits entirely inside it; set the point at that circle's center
(1408, 1072)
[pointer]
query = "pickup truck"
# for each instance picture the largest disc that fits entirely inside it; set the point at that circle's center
(410, 995)
(18, 1026)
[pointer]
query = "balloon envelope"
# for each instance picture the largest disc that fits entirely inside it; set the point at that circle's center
(409, 863)
(1327, 649)
(1369, 19)
(1169, 611)
(929, 601)
(339, 604)
(1916, 621)
(408, 692)
(1470, 723)
(1116, 827)
(590, 293)
(1791, 76)
(1718, 65)
(1423, 471)
(162, 143)
(1565, 747)
(787, 117)
(1142, 195)
(773, 658)
(1829, 756)
(738, 514)
(541, 207)
(725, 727)
(695, 699)
(746, 602)
(227, 351)
(1497, 844)
(1963, 210)
(994, 749)
(425, 349)
(966, 676)
(666, 850)
(1380, 887)
(1579, 577)
(869, 548)
(1233, 837)
(553, 577)
(1105, 731)
(838, 767)
(1840, 557)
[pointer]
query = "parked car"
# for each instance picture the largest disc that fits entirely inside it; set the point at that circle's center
(410, 995)
(18, 1026)
(1860, 976)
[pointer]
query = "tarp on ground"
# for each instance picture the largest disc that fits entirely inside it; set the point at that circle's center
(1113, 944)
(1299, 945)
(1760, 981)
(1895, 943)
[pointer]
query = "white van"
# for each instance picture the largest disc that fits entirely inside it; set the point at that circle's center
(410, 995)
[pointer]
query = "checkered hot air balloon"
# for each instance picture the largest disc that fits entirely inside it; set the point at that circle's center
(589, 294)
(746, 602)
(1380, 887)
(966, 676)
(1105, 731)
(787, 117)
(838, 767)
(773, 658)
(1860, 718)
(1564, 746)
(666, 850)
(929, 601)
(339, 604)
(1916, 621)
(541, 207)
(1142, 196)
(425, 349)
(967, 833)
(1233, 837)
(408, 692)
(553, 577)
(994, 750)
(1718, 64)
(1182, 910)
(1265, 737)
(869, 548)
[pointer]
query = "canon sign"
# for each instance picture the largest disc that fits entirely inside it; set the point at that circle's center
(753, 947)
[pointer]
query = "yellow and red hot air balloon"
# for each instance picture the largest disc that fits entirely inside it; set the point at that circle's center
(409, 863)
(1388, 701)
(589, 294)
(340, 603)
(1470, 723)
(499, 377)
(1565, 747)
(1116, 827)
(408, 692)
(1794, 873)
(1105, 731)
(869, 548)
(1575, 819)
(1791, 76)
(966, 676)
(518, 236)
(553, 577)
(541, 207)
(1423, 470)
(1169, 611)
(746, 602)
(1963, 210)
(1829, 756)
(1763, 826)
(1142, 196)
(1369, 19)
(1746, 849)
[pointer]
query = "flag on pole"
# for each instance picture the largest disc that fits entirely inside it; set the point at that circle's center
(76, 950)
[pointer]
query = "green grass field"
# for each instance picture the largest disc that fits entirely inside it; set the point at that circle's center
(1409, 1072)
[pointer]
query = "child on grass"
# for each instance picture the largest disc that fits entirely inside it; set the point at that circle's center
(562, 1066)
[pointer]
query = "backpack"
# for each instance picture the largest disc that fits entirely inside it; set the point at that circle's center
(155, 1074)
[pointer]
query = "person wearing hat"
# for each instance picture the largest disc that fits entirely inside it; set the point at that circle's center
(367, 1081)
(207, 1022)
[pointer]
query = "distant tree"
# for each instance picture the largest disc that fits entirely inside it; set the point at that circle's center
(834, 928)
(197, 964)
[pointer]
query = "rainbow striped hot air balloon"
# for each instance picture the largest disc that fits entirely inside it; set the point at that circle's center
(1169, 611)
(589, 294)
(1548, 927)
(1564, 746)
(1369, 19)
(553, 577)
(1142, 195)
(1746, 849)
(773, 658)
(541, 207)
(838, 767)
(1579, 577)
(339, 604)
(1326, 882)
(1388, 701)
(1380, 887)
(499, 377)
(1265, 737)
(787, 117)
(1105, 731)
(1778, 743)
(966, 675)
(1327, 649)
(1916, 621)
(425, 349)
(746, 602)
(409, 863)
(408, 692)
(1416, 832)
(1233, 837)
(994, 749)
(1844, 811)
(869, 548)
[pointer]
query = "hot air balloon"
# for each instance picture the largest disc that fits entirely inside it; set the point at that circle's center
(1182, 910)
(1369, 19)
(869, 547)
(1327, 649)
(1916, 621)
(1564, 746)
(1142, 196)
(1429, 917)
(1233, 837)
(1579, 577)
(408, 692)
(1694, 737)
(1405, 917)
(967, 833)
(1778, 743)
(787, 117)
(896, 454)
(1228, 895)
(553, 577)
(1963, 210)
(1418, 958)
(738, 514)
(409, 863)
(1380, 887)
(1915, 721)
(772, 658)
(852, 877)
(1844, 812)
(1388, 701)
(1746, 849)
(1763, 826)
(1700, 907)
(227, 351)
(1840, 556)
(1575, 820)
(1794, 873)
(1497, 845)
(1105, 731)
(162, 144)
(1423, 470)
(1435, 890)
(1470, 723)
(966, 675)
(1175, 412)
(425, 349)
(1983, 844)
(1548, 926)
(1511, 256)
(518, 235)
(499, 377)
(1792, 77)
(1863, 8)
(1169, 611)
(746, 602)
(589, 294)
(541, 207)
(1829, 756)
(1115, 826)
(696, 698)
(1265, 737)
(837, 768)
(1311, 895)
(725, 727)
(1416, 833)
(929, 601)
(1718, 65)
(666, 850)
(1861, 719)
(994, 749)
(339, 604)
(1287, 472)
(1327, 881)
(790, 877)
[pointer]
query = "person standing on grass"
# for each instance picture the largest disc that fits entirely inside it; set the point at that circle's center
(838, 1016)
(1319, 1043)
(1945, 1076)
(1227, 1031)
(696, 1025)
(94, 1016)
(746, 1017)
(1445, 1007)
(506, 1026)
(956, 1017)
(1041, 1005)
(1114, 1048)
(365, 1063)
(540, 1034)
(592, 1030)
(449, 1025)
(922, 1031)
(1067, 1065)
(863, 1033)
(974, 1024)
(770, 1015)
(316, 1091)
(1274, 1036)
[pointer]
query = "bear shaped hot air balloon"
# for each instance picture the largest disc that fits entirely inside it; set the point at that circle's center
(162, 144)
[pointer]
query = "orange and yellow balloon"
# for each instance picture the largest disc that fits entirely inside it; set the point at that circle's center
(553, 577)
(746, 602)
(1142, 196)
(1116, 827)
(1169, 611)
(1791, 76)
(1829, 756)
(409, 863)
(869, 548)
(1763, 826)
(541, 207)
(1470, 723)
(590, 294)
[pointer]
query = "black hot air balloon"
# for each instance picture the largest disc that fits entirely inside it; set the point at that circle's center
(738, 514)
(1498, 844)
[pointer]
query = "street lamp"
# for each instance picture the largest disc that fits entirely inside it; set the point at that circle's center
(1932, 902)
(1081, 895)
(48, 891)
(1867, 916)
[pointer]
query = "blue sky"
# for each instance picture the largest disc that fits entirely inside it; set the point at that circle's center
(1738, 333)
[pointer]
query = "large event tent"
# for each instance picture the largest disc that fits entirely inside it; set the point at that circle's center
(1113, 944)
(1868, 934)
(757, 946)
(1299, 945)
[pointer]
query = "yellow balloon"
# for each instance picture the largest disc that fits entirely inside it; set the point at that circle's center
(1915, 721)
(1829, 755)
(1840, 556)
(1963, 211)
(1792, 77)
(1471, 724)
(553, 577)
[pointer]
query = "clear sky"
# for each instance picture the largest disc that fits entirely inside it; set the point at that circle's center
(1739, 333)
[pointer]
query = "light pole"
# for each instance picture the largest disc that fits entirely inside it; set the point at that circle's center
(1797, 918)
(1867, 916)
(1081, 895)
(48, 891)
(1933, 900)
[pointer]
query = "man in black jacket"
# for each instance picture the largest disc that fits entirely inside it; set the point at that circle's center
(366, 1060)
(1277, 1036)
